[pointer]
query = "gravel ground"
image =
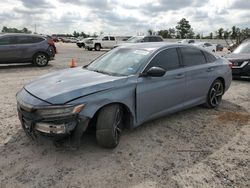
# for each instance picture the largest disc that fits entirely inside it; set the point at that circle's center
(198, 147)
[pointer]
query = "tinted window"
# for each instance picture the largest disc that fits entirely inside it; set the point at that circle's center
(192, 56)
(105, 38)
(24, 39)
(146, 39)
(152, 39)
(7, 40)
(159, 39)
(210, 58)
(37, 39)
(112, 38)
(207, 44)
(166, 59)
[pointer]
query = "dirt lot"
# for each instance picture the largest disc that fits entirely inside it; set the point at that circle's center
(193, 148)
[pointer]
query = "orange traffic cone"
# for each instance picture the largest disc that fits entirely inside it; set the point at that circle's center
(73, 63)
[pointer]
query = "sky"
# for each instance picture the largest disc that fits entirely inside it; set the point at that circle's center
(119, 17)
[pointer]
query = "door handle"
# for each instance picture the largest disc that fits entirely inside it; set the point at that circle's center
(179, 76)
(210, 69)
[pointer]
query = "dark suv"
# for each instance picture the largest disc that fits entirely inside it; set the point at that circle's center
(22, 48)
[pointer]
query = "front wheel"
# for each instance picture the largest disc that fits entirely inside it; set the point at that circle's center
(41, 59)
(215, 94)
(109, 126)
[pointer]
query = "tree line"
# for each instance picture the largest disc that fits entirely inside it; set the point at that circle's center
(184, 30)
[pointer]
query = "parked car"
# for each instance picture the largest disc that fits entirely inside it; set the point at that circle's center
(187, 41)
(123, 88)
(209, 46)
(139, 39)
(81, 43)
(240, 59)
(22, 48)
(102, 42)
(219, 47)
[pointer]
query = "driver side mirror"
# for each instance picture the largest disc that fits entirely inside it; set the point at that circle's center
(155, 72)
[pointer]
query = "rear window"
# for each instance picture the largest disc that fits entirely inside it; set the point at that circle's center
(210, 58)
(192, 56)
(112, 38)
(38, 39)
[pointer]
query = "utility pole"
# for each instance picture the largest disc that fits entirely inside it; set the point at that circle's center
(35, 29)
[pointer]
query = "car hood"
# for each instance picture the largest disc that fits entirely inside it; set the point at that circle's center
(237, 57)
(67, 85)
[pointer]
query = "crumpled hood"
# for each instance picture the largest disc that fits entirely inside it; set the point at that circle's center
(237, 57)
(63, 86)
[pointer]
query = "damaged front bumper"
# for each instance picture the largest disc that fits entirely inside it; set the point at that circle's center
(58, 126)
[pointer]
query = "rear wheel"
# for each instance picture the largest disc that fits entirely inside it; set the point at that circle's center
(97, 47)
(41, 59)
(215, 94)
(109, 126)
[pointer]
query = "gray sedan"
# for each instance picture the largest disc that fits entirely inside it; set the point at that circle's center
(123, 89)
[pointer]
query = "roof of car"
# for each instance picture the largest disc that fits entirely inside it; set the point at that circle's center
(21, 34)
(153, 46)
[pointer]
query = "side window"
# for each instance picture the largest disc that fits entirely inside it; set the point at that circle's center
(210, 58)
(192, 56)
(167, 59)
(24, 40)
(207, 44)
(146, 39)
(159, 39)
(112, 38)
(105, 38)
(152, 39)
(7, 40)
(37, 39)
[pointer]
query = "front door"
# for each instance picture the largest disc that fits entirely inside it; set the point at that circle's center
(157, 96)
(8, 49)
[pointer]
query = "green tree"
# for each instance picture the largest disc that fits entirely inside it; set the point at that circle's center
(220, 33)
(164, 34)
(184, 29)
(198, 36)
(226, 34)
(211, 35)
(150, 31)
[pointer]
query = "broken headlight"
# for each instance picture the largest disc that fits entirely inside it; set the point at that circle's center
(59, 111)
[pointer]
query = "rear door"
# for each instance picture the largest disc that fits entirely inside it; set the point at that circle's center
(26, 45)
(159, 95)
(199, 74)
(8, 49)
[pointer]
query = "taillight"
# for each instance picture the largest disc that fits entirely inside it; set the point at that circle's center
(230, 64)
(51, 42)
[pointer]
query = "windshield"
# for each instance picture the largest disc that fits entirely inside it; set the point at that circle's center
(135, 39)
(243, 48)
(119, 62)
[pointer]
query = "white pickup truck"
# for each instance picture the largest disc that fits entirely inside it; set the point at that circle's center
(104, 41)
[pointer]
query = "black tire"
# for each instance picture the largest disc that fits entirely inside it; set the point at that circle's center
(109, 126)
(40, 59)
(215, 94)
(97, 47)
(89, 49)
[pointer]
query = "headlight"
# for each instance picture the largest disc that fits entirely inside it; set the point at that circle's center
(59, 111)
